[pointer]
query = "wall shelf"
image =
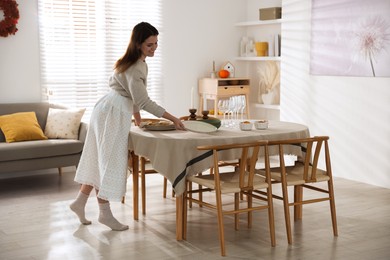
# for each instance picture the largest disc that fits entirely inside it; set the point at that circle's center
(262, 30)
(266, 58)
(256, 23)
(276, 107)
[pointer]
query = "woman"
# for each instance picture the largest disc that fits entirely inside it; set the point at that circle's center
(103, 163)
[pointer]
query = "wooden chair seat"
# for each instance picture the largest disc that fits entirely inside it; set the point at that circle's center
(228, 182)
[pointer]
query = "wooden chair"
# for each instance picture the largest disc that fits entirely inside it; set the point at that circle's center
(241, 180)
(304, 174)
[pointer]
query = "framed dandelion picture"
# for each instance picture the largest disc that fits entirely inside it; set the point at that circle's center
(350, 38)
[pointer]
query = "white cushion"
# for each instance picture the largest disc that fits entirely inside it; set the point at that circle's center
(63, 123)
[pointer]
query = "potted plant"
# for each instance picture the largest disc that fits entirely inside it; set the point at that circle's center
(269, 83)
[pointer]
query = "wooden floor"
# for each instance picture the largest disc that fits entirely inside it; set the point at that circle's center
(35, 223)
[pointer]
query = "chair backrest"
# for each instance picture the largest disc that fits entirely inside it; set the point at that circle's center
(313, 150)
(249, 153)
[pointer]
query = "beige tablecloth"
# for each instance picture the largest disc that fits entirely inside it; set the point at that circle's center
(174, 155)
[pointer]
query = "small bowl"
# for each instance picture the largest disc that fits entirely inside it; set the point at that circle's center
(246, 126)
(261, 124)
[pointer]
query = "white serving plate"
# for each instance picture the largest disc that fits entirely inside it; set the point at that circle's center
(199, 127)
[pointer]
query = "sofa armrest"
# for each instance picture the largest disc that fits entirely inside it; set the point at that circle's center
(83, 131)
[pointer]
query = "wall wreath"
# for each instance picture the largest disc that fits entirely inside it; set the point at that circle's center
(11, 16)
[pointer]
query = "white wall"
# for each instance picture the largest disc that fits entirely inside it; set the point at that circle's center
(196, 33)
(353, 111)
(19, 58)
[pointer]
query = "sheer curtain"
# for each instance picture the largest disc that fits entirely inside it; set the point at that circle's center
(80, 40)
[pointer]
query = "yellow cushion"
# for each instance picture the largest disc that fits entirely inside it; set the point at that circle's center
(21, 127)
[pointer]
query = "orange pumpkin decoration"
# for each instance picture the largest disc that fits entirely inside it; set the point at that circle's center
(223, 73)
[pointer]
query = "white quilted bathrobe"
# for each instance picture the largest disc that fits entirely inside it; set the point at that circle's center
(103, 163)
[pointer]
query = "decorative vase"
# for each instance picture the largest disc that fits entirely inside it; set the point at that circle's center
(272, 96)
(268, 98)
(261, 48)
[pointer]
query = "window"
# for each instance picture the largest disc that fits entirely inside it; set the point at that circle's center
(80, 40)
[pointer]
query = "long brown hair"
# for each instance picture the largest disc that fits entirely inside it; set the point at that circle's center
(140, 33)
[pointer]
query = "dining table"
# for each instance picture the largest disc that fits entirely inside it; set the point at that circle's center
(174, 153)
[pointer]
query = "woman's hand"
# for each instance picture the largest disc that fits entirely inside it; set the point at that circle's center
(137, 118)
(176, 121)
(178, 124)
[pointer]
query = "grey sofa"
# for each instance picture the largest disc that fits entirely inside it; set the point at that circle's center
(39, 154)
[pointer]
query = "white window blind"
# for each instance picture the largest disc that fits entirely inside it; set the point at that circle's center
(80, 41)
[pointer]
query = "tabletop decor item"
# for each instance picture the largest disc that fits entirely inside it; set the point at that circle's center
(269, 83)
(261, 124)
(247, 47)
(229, 67)
(270, 13)
(223, 73)
(213, 73)
(246, 126)
(205, 114)
(250, 48)
(192, 114)
(243, 43)
(261, 48)
(192, 98)
(11, 17)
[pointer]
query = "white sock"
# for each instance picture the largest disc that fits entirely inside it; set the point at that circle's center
(78, 207)
(106, 218)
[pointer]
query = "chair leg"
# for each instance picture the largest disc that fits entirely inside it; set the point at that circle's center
(271, 217)
(298, 196)
(135, 168)
(185, 213)
(200, 194)
(60, 171)
(165, 188)
(236, 207)
(287, 212)
(220, 222)
(332, 207)
(189, 187)
(143, 189)
(249, 202)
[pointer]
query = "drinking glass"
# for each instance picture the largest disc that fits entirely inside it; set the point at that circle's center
(222, 106)
(243, 105)
(231, 111)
